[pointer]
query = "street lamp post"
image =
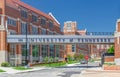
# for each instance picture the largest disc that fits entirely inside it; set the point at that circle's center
(26, 62)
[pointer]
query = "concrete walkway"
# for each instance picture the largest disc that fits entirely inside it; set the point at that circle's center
(10, 70)
(99, 72)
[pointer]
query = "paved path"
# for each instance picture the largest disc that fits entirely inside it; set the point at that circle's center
(72, 70)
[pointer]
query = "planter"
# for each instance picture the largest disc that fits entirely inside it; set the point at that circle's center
(111, 67)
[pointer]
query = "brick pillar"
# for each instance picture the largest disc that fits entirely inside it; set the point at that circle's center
(3, 43)
(18, 54)
(117, 43)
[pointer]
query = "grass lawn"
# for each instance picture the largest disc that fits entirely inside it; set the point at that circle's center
(72, 62)
(21, 68)
(2, 70)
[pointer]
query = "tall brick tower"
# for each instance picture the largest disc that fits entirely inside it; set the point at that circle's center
(3, 48)
(70, 28)
(117, 43)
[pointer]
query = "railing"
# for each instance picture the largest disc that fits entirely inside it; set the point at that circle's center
(100, 33)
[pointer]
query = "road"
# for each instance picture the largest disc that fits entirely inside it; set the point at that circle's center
(66, 71)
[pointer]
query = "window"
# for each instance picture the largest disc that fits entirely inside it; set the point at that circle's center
(23, 28)
(35, 50)
(51, 24)
(51, 50)
(50, 33)
(44, 50)
(12, 32)
(24, 14)
(34, 18)
(43, 21)
(43, 32)
(11, 21)
(69, 26)
(73, 48)
(23, 49)
(34, 30)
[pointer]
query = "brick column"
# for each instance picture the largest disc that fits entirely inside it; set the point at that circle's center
(117, 43)
(3, 43)
(18, 54)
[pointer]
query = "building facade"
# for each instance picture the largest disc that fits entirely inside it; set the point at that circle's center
(117, 43)
(18, 18)
(70, 28)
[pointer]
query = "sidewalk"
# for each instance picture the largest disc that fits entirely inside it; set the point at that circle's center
(99, 72)
(10, 70)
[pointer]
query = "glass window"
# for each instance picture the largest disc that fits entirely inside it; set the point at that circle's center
(43, 32)
(43, 21)
(11, 22)
(24, 14)
(73, 48)
(23, 28)
(51, 24)
(34, 18)
(50, 33)
(12, 32)
(34, 30)
(23, 49)
(44, 50)
(35, 51)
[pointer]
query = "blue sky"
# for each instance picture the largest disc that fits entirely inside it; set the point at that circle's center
(94, 15)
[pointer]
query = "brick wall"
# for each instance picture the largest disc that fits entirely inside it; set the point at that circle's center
(109, 59)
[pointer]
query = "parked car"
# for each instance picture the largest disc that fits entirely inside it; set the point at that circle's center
(83, 62)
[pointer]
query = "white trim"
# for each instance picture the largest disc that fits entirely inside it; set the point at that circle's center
(34, 26)
(12, 18)
(54, 18)
(117, 34)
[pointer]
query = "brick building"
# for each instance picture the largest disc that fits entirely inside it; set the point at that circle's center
(18, 18)
(70, 28)
(117, 43)
(93, 50)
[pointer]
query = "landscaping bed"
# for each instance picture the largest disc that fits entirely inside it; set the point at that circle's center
(111, 66)
(21, 68)
(2, 70)
(58, 64)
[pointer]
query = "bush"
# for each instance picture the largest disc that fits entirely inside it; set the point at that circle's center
(46, 59)
(69, 57)
(5, 64)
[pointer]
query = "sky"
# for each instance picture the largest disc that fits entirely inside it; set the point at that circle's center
(93, 15)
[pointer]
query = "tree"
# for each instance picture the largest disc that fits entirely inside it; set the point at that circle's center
(111, 49)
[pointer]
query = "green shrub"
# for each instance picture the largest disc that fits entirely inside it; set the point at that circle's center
(5, 64)
(107, 63)
(46, 59)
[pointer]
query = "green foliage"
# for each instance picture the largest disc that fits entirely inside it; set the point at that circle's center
(69, 57)
(51, 59)
(5, 64)
(111, 49)
(78, 57)
(56, 59)
(21, 68)
(46, 59)
(58, 64)
(107, 63)
(2, 70)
